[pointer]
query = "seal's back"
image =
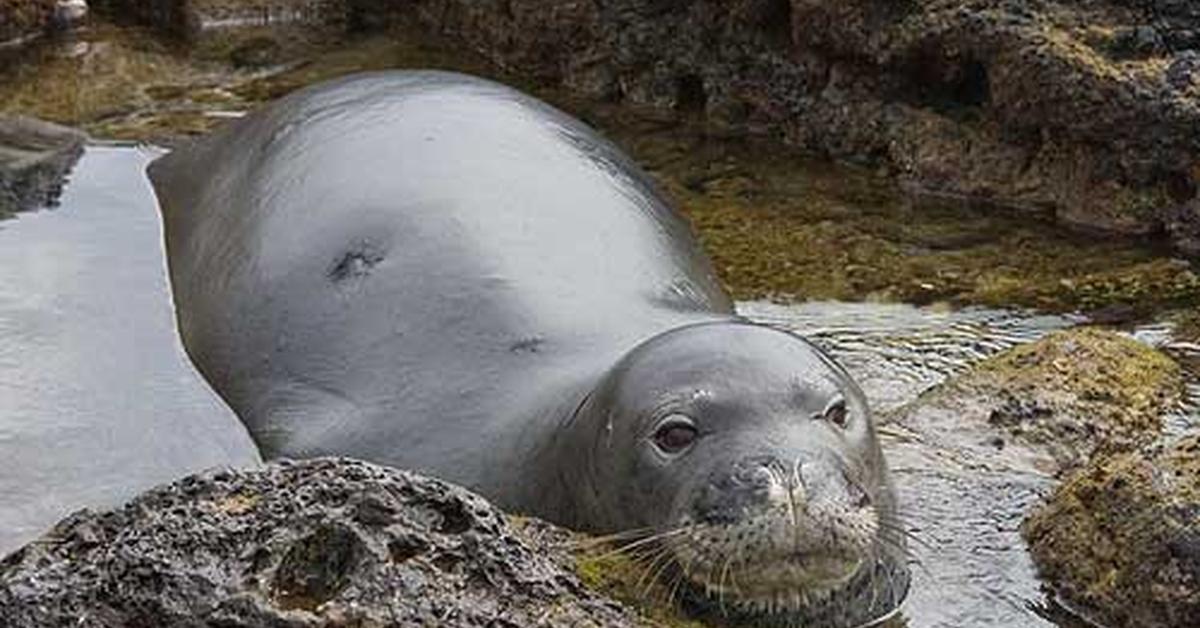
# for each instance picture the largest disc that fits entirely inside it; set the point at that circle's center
(393, 256)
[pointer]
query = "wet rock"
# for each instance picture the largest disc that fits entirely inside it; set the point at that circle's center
(1081, 109)
(35, 157)
(315, 543)
(1063, 398)
(190, 18)
(22, 20)
(1120, 539)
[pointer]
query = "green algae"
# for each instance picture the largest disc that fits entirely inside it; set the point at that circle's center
(1187, 325)
(1070, 396)
(622, 578)
(1115, 382)
(602, 567)
(1112, 538)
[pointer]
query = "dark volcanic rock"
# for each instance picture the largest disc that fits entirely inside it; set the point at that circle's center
(1087, 109)
(1120, 539)
(22, 19)
(316, 543)
(35, 157)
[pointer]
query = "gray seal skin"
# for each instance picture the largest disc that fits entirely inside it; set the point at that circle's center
(439, 273)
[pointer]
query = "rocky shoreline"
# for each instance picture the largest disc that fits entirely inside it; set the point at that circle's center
(23, 21)
(35, 157)
(1088, 113)
(1113, 529)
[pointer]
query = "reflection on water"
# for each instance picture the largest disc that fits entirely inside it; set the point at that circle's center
(972, 568)
(896, 350)
(97, 399)
(1187, 417)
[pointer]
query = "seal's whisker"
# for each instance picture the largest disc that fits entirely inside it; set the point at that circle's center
(664, 560)
(898, 528)
(593, 541)
(894, 547)
(650, 539)
(721, 588)
(673, 591)
(897, 538)
(683, 576)
(645, 563)
(738, 558)
(910, 560)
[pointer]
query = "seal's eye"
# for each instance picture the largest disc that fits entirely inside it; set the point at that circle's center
(675, 435)
(836, 413)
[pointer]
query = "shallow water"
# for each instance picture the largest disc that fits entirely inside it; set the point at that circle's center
(97, 398)
(971, 567)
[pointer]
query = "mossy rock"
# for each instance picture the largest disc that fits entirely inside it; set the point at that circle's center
(1068, 396)
(616, 574)
(1116, 387)
(1187, 326)
(1120, 539)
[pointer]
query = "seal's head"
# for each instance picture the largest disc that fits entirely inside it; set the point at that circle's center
(750, 461)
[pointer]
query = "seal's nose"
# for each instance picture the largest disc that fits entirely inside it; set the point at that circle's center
(738, 489)
(820, 477)
(759, 482)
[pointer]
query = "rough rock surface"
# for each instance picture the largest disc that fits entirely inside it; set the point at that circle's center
(1121, 538)
(35, 156)
(190, 17)
(1089, 110)
(1086, 110)
(1063, 398)
(315, 543)
(20, 19)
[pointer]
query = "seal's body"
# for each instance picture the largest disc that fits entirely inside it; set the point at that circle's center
(439, 273)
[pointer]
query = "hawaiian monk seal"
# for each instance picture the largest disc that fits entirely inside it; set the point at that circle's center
(439, 273)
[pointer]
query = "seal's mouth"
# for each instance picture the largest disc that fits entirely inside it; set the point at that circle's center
(783, 586)
(780, 559)
(732, 567)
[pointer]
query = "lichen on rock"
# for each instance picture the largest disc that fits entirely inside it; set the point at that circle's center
(1120, 539)
(1068, 396)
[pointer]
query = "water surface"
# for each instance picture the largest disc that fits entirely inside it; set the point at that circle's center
(971, 566)
(97, 399)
